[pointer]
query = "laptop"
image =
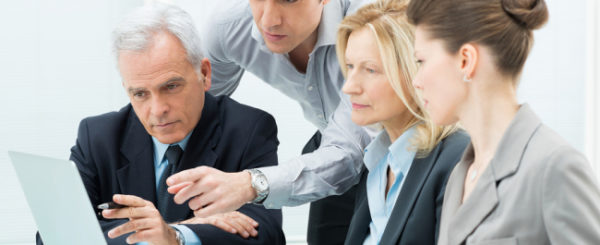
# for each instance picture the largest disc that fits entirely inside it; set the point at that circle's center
(57, 199)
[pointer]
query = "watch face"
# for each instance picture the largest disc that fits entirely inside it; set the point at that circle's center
(261, 183)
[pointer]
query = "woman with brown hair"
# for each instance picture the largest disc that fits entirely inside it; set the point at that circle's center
(400, 199)
(518, 182)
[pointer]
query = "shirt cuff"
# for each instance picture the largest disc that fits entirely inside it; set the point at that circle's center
(190, 237)
(280, 180)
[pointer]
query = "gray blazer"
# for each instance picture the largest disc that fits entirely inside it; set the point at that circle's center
(536, 190)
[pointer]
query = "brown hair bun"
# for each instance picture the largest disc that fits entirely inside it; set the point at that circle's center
(530, 14)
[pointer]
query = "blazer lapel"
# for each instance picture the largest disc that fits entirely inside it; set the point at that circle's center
(465, 218)
(359, 227)
(200, 151)
(136, 177)
(482, 201)
(453, 197)
(419, 171)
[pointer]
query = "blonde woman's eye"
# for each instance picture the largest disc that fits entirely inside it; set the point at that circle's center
(370, 70)
(349, 66)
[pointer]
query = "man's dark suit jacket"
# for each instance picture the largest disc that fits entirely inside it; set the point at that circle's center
(416, 216)
(115, 155)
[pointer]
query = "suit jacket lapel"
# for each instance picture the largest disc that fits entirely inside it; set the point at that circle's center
(199, 150)
(453, 197)
(465, 218)
(136, 176)
(359, 227)
(418, 173)
(482, 201)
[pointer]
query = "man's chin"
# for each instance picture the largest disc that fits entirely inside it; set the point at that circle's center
(169, 138)
(278, 48)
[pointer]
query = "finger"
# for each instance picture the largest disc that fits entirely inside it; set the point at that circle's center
(190, 175)
(248, 219)
(200, 201)
(223, 225)
(188, 192)
(208, 210)
(131, 226)
(233, 222)
(242, 220)
(176, 188)
(195, 220)
(247, 228)
(131, 212)
(129, 200)
(142, 236)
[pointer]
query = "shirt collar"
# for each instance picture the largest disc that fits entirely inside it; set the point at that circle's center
(160, 149)
(400, 156)
(327, 30)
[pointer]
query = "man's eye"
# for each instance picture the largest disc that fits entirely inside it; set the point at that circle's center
(139, 94)
(172, 86)
(290, 1)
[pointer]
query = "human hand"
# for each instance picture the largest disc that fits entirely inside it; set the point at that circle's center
(144, 220)
(232, 222)
(211, 191)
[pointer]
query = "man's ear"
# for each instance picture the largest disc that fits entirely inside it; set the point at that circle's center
(468, 55)
(325, 2)
(206, 72)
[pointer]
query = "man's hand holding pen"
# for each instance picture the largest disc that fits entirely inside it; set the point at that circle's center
(144, 220)
(148, 225)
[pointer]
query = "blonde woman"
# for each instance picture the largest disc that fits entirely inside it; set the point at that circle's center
(518, 182)
(399, 201)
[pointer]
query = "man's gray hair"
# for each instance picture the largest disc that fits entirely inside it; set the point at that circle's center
(136, 31)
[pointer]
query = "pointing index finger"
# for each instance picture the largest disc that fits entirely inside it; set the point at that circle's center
(190, 175)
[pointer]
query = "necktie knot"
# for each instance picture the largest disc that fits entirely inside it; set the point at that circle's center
(173, 154)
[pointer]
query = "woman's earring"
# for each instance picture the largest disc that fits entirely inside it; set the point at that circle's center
(466, 79)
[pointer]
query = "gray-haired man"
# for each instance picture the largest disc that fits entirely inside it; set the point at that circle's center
(171, 125)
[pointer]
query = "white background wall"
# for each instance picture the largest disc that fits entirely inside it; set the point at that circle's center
(592, 146)
(57, 68)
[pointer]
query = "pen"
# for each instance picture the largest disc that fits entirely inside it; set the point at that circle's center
(110, 205)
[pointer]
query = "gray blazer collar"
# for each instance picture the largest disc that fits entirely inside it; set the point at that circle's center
(463, 218)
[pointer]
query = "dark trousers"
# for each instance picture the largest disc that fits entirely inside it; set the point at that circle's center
(329, 218)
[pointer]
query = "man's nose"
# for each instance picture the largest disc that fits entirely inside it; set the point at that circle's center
(159, 107)
(271, 17)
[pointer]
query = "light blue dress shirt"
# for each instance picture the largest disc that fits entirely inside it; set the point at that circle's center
(160, 164)
(380, 155)
(234, 44)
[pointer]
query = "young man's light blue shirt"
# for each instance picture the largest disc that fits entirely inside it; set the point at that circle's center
(380, 155)
(234, 45)
(160, 164)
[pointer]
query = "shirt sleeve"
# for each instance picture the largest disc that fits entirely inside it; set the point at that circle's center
(332, 169)
(225, 73)
(571, 197)
(190, 237)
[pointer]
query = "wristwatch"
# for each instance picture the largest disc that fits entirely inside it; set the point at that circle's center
(259, 184)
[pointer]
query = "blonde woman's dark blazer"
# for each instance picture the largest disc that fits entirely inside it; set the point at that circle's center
(416, 214)
(536, 190)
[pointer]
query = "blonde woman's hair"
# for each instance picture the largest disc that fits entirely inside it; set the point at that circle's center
(395, 36)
